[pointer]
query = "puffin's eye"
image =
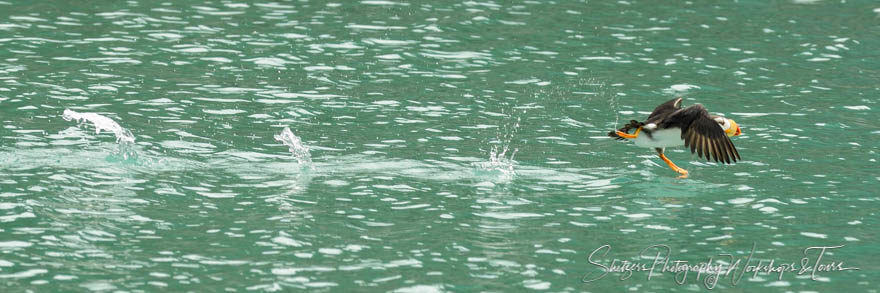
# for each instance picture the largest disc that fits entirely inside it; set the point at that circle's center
(724, 123)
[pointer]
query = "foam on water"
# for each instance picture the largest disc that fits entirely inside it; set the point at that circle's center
(101, 123)
(299, 150)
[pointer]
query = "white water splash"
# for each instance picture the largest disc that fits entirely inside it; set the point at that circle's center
(299, 150)
(101, 123)
(501, 147)
(498, 160)
(498, 155)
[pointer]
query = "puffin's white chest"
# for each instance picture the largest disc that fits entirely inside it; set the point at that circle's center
(670, 137)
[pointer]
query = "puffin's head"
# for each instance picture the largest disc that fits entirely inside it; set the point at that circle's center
(730, 127)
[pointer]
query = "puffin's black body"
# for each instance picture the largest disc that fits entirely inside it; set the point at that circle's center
(699, 130)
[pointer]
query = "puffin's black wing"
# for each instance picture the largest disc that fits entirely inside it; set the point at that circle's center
(659, 113)
(702, 134)
(665, 109)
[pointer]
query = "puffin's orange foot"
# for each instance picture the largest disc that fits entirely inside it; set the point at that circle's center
(683, 172)
(627, 135)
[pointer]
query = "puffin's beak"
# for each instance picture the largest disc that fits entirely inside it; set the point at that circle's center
(736, 130)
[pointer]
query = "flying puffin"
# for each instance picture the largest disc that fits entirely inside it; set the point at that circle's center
(670, 125)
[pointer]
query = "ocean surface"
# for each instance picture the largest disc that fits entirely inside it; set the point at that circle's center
(433, 146)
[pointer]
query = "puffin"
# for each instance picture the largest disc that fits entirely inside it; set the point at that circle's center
(670, 125)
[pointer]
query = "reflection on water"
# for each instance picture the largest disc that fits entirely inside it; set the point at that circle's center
(424, 146)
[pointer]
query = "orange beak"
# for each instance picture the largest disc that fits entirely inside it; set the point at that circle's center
(734, 129)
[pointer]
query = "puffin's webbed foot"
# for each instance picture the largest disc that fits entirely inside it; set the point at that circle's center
(627, 135)
(622, 133)
(683, 172)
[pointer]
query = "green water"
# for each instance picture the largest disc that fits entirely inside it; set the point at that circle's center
(452, 145)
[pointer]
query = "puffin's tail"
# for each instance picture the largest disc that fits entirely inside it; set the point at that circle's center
(625, 129)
